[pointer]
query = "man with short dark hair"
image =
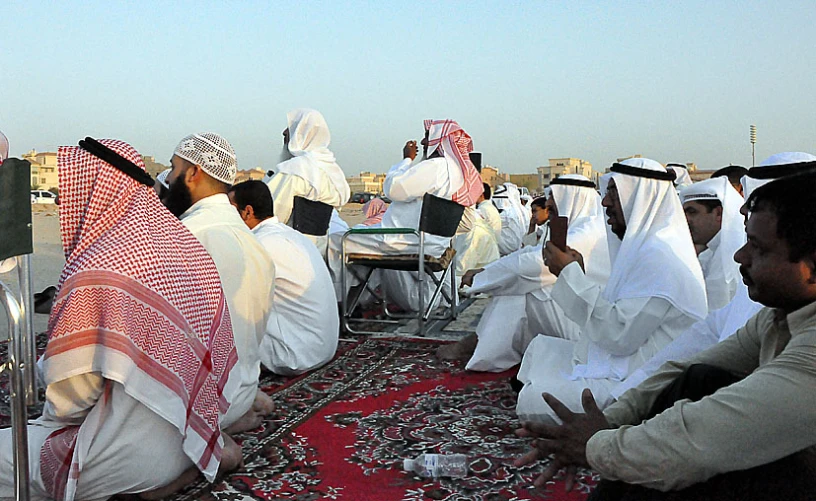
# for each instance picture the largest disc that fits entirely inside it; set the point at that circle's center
(301, 333)
(539, 215)
(489, 211)
(737, 420)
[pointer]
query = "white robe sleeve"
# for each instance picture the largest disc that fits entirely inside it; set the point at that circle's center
(406, 181)
(70, 400)
(519, 273)
(619, 328)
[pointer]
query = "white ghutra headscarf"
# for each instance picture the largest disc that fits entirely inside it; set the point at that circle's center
(576, 199)
(309, 139)
(776, 166)
(656, 257)
(723, 277)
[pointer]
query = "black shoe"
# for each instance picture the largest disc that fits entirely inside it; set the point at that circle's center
(44, 300)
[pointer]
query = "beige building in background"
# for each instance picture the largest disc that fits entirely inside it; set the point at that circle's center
(255, 174)
(153, 167)
(43, 170)
(493, 177)
(559, 167)
(366, 182)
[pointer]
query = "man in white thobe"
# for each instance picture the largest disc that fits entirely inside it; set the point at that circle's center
(204, 167)
(301, 332)
(655, 292)
(721, 324)
(307, 169)
(446, 172)
(716, 225)
(514, 219)
(520, 284)
(489, 211)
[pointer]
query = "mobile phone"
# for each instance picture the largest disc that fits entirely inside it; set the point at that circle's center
(558, 232)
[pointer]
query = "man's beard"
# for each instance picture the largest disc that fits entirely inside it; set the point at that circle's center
(285, 154)
(178, 197)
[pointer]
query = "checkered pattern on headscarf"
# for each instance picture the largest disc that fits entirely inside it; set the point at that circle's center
(139, 296)
(456, 144)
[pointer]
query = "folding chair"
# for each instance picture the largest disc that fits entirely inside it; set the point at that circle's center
(310, 217)
(438, 217)
(16, 242)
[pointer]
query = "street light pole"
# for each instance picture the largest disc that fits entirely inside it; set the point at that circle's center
(753, 142)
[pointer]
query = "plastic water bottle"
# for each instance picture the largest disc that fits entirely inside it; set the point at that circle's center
(438, 465)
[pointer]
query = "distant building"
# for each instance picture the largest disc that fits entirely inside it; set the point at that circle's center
(530, 181)
(252, 174)
(366, 182)
(492, 177)
(43, 170)
(560, 166)
(153, 167)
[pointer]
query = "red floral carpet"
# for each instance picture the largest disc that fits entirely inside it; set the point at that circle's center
(341, 432)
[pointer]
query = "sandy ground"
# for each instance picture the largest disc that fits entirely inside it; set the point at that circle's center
(48, 257)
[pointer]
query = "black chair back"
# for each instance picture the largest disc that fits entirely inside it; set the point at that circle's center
(439, 216)
(310, 217)
(15, 208)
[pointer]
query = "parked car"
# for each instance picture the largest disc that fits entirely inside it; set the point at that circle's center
(43, 197)
(361, 198)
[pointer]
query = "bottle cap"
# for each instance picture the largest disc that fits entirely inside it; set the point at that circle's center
(408, 464)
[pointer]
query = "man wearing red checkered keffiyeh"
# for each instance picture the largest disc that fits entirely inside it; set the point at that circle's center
(444, 171)
(139, 365)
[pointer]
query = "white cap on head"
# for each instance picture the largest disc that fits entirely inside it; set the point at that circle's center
(4, 147)
(162, 177)
(212, 153)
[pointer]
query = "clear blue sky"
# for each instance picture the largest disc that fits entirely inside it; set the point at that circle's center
(674, 81)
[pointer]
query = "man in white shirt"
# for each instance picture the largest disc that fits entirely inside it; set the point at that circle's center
(445, 171)
(307, 169)
(303, 328)
(716, 225)
(655, 291)
(204, 167)
(514, 219)
(489, 211)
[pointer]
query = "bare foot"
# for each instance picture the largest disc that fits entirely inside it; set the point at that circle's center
(232, 458)
(461, 350)
(262, 406)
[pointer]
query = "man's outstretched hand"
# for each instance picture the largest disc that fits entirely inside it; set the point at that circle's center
(467, 279)
(567, 441)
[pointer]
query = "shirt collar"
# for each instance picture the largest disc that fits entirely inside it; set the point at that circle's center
(801, 319)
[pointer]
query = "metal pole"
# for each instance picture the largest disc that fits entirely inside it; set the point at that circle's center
(19, 417)
(753, 139)
(29, 359)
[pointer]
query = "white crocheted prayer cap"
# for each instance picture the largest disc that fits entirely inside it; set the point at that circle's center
(162, 177)
(212, 153)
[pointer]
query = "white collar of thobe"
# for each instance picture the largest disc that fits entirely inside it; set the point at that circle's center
(266, 223)
(206, 202)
